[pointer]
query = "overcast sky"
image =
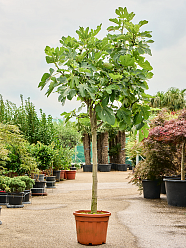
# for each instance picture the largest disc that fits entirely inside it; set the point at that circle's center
(28, 26)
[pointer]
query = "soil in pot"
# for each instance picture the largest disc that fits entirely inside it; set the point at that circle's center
(151, 189)
(91, 228)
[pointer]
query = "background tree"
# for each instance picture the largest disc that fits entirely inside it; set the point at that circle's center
(173, 132)
(81, 70)
(174, 99)
(14, 153)
(67, 134)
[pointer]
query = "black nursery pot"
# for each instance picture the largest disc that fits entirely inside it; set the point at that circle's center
(104, 167)
(176, 192)
(122, 167)
(15, 199)
(87, 168)
(151, 188)
(56, 173)
(26, 196)
(3, 198)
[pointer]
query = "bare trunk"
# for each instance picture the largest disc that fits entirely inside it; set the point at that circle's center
(99, 148)
(105, 148)
(111, 144)
(182, 161)
(122, 150)
(93, 122)
(86, 144)
(116, 156)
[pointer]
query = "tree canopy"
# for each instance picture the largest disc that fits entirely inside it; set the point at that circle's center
(109, 75)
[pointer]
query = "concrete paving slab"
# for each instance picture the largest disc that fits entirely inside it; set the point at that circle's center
(135, 222)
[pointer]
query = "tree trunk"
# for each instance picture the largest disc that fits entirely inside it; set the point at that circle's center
(182, 161)
(105, 148)
(93, 122)
(99, 148)
(86, 144)
(116, 156)
(111, 144)
(122, 150)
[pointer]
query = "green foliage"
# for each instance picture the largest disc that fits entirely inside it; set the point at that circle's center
(110, 91)
(17, 185)
(115, 149)
(14, 155)
(174, 99)
(4, 183)
(25, 117)
(161, 158)
(62, 158)
(28, 181)
(44, 155)
(67, 134)
(99, 83)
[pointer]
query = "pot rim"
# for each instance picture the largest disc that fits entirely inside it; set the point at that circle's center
(84, 213)
(174, 180)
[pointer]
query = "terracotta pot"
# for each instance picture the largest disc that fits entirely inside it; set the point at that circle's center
(71, 174)
(62, 175)
(91, 228)
(65, 174)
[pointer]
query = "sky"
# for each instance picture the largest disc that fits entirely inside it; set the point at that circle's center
(28, 26)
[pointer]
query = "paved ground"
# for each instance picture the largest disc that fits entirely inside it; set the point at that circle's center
(135, 222)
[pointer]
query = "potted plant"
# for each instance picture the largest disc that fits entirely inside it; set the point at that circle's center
(101, 73)
(173, 133)
(4, 188)
(29, 184)
(44, 155)
(158, 162)
(16, 192)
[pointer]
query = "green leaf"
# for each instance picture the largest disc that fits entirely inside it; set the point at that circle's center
(105, 114)
(127, 60)
(44, 80)
(81, 90)
(145, 65)
(145, 110)
(115, 76)
(74, 82)
(71, 94)
(49, 51)
(149, 75)
(150, 41)
(138, 118)
(110, 88)
(84, 70)
(50, 60)
(115, 20)
(141, 23)
(124, 115)
(97, 56)
(105, 101)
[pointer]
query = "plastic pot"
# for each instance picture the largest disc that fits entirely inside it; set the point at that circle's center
(91, 229)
